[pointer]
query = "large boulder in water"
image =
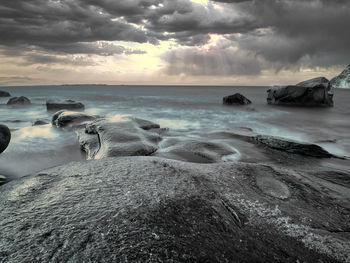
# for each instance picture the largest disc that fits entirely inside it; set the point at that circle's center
(4, 94)
(343, 80)
(313, 92)
(125, 136)
(19, 101)
(5, 137)
(236, 99)
(53, 105)
(146, 209)
(70, 119)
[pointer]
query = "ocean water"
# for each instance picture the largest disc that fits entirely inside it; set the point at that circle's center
(187, 110)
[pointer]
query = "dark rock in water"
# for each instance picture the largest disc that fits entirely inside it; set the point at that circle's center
(343, 80)
(3, 180)
(19, 101)
(236, 99)
(308, 95)
(4, 94)
(146, 209)
(5, 137)
(52, 105)
(40, 122)
(70, 119)
(294, 147)
(125, 137)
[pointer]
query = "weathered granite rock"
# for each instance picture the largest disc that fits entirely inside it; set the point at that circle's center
(19, 101)
(70, 119)
(313, 92)
(4, 94)
(125, 137)
(314, 82)
(294, 147)
(236, 99)
(343, 80)
(146, 209)
(52, 105)
(39, 122)
(196, 151)
(5, 137)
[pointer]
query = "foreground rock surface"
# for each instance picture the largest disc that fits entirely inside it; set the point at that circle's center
(236, 99)
(4, 94)
(343, 80)
(5, 137)
(19, 101)
(146, 209)
(313, 92)
(52, 105)
(125, 136)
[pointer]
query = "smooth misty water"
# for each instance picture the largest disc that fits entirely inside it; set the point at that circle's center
(185, 109)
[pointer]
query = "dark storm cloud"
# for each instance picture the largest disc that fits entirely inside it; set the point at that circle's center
(273, 33)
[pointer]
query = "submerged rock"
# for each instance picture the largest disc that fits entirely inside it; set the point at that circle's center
(5, 137)
(343, 80)
(40, 122)
(19, 101)
(146, 209)
(236, 99)
(52, 105)
(313, 92)
(4, 94)
(125, 137)
(70, 119)
(294, 147)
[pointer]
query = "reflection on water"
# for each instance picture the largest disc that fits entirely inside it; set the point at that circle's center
(28, 134)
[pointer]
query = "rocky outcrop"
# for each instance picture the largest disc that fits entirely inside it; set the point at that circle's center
(342, 80)
(3, 180)
(70, 119)
(40, 122)
(146, 209)
(236, 99)
(19, 101)
(52, 105)
(314, 92)
(4, 94)
(5, 137)
(125, 137)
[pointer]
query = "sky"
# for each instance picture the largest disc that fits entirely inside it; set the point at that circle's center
(195, 42)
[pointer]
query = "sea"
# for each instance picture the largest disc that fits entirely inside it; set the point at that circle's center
(187, 110)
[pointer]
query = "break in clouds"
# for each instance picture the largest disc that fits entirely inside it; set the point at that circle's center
(251, 35)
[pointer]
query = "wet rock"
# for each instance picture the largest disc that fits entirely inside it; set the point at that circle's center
(52, 105)
(343, 80)
(70, 119)
(196, 151)
(5, 137)
(40, 122)
(146, 209)
(313, 92)
(19, 101)
(125, 137)
(4, 94)
(294, 147)
(237, 99)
